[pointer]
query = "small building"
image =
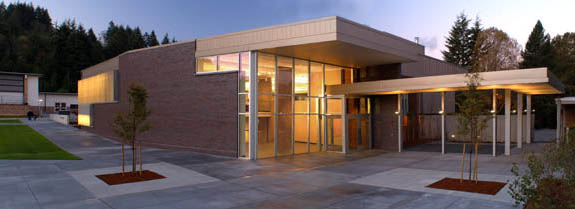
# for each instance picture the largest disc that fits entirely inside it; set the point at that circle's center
(323, 85)
(19, 93)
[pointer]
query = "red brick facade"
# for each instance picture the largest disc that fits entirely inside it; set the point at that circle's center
(189, 112)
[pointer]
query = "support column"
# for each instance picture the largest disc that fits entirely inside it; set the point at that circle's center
(253, 100)
(399, 123)
(344, 141)
(559, 122)
(507, 122)
(442, 112)
(528, 127)
(494, 119)
(519, 119)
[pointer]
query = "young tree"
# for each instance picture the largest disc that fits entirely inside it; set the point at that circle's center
(471, 119)
(129, 125)
(495, 50)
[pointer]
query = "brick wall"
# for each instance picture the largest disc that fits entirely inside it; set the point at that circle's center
(189, 112)
(384, 122)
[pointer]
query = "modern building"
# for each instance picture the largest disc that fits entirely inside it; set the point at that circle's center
(19, 93)
(327, 84)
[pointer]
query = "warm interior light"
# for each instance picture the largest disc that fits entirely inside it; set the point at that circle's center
(84, 120)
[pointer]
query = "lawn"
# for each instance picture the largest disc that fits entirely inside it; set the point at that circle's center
(10, 121)
(20, 142)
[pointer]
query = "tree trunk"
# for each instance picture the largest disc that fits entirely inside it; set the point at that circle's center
(462, 163)
(134, 157)
(476, 154)
(123, 160)
(470, 152)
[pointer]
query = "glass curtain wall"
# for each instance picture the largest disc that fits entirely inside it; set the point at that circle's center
(243, 104)
(291, 113)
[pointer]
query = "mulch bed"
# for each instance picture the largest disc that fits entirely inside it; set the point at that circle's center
(129, 177)
(482, 187)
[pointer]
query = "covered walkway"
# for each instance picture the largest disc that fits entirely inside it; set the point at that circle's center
(525, 82)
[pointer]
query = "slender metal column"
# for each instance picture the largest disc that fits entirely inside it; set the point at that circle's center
(494, 113)
(507, 122)
(519, 120)
(399, 123)
(528, 127)
(253, 100)
(344, 141)
(442, 112)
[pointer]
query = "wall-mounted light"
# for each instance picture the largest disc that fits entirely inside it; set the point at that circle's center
(525, 110)
(397, 112)
(453, 136)
(492, 111)
(513, 111)
(533, 110)
(441, 112)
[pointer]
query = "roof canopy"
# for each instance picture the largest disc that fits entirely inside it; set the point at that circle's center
(527, 81)
(333, 40)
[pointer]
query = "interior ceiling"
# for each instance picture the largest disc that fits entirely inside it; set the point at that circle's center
(338, 53)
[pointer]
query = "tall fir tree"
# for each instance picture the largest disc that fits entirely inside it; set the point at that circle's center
(461, 41)
(166, 39)
(456, 42)
(537, 51)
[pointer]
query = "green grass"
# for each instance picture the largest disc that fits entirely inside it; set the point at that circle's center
(20, 142)
(10, 121)
(12, 116)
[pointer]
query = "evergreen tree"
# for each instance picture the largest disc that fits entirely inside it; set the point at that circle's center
(537, 51)
(473, 35)
(174, 40)
(166, 39)
(456, 43)
(152, 39)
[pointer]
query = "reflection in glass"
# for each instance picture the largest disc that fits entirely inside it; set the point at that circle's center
(244, 135)
(316, 133)
(266, 136)
(334, 106)
(266, 73)
(244, 72)
(284, 132)
(301, 133)
(333, 75)
(284, 104)
(334, 137)
(285, 75)
(301, 77)
(316, 79)
(229, 62)
(207, 64)
(266, 103)
(301, 104)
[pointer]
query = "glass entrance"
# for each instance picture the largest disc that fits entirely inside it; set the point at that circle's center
(358, 131)
(334, 135)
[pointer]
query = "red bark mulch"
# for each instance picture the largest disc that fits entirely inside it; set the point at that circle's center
(129, 177)
(482, 187)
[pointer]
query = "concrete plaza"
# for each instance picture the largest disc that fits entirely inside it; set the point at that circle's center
(318, 180)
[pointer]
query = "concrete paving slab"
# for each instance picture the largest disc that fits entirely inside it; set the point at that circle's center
(176, 176)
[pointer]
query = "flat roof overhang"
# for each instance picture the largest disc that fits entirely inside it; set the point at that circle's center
(333, 40)
(532, 81)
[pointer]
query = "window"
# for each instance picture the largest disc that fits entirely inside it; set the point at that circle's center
(227, 62)
(73, 106)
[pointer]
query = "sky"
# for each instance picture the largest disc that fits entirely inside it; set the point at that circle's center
(428, 20)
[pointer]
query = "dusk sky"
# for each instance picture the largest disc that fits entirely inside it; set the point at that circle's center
(429, 20)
